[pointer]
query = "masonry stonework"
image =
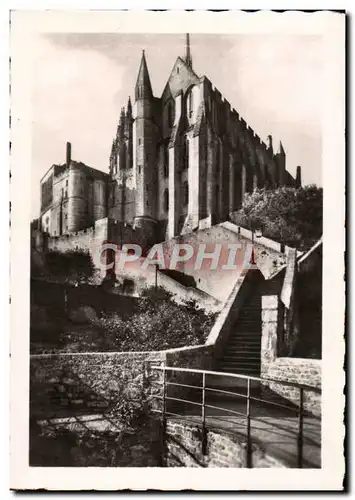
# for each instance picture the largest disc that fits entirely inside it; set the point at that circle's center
(183, 448)
(305, 372)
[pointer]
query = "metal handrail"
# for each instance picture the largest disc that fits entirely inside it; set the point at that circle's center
(202, 419)
(237, 375)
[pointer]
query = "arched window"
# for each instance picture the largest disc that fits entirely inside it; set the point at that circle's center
(185, 193)
(166, 200)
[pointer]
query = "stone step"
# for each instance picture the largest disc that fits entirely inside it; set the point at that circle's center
(243, 344)
(230, 383)
(239, 362)
(245, 333)
(238, 339)
(244, 325)
(245, 340)
(243, 348)
(241, 355)
(252, 372)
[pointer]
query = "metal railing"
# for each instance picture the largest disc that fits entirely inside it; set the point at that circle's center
(298, 409)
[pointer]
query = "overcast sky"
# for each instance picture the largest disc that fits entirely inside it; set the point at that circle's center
(81, 82)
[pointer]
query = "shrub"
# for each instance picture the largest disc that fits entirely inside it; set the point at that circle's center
(157, 325)
(131, 407)
(74, 263)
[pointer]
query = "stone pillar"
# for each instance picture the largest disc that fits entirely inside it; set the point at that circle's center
(231, 185)
(194, 181)
(220, 179)
(210, 167)
(174, 191)
(270, 316)
(244, 181)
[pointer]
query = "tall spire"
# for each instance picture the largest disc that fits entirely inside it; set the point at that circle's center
(129, 106)
(281, 150)
(188, 58)
(143, 85)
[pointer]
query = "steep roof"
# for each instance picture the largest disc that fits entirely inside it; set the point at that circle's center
(181, 77)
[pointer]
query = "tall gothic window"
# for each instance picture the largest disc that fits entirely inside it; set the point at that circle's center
(166, 200)
(216, 193)
(190, 102)
(186, 153)
(170, 115)
(218, 155)
(166, 162)
(185, 193)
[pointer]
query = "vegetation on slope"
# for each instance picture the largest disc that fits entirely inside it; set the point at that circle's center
(289, 215)
(149, 323)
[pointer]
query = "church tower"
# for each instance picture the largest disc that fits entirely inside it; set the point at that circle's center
(145, 151)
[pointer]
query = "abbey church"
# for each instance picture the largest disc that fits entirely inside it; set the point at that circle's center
(179, 162)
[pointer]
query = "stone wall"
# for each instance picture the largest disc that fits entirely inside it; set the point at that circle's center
(183, 448)
(60, 296)
(70, 384)
(80, 240)
(306, 372)
(214, 280)
(144, 279)
(88, 240)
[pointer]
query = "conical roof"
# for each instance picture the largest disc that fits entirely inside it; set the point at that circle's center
(143, 80)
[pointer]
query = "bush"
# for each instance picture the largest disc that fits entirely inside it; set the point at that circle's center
(157, 325)
(75, 263)
(131, 408)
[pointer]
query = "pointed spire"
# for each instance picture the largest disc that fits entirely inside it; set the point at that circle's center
(281, 150)
(188, 58)
(129, 106)
(143, 85)
(129, 118)
(121, 125)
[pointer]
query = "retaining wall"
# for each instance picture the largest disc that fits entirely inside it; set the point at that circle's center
(184, 448)
(294, 370)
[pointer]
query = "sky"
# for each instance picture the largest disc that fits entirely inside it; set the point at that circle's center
(81, 81)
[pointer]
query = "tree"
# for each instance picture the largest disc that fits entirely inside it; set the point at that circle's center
(286, 214)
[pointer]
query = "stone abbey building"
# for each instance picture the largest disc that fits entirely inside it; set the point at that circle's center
(178, 162)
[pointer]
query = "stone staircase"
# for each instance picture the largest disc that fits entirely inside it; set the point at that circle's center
(241, 354)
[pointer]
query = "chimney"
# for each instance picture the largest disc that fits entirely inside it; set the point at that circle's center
(298, 177)
(68, 158)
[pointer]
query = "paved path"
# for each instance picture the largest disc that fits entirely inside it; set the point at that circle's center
(275, 429)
